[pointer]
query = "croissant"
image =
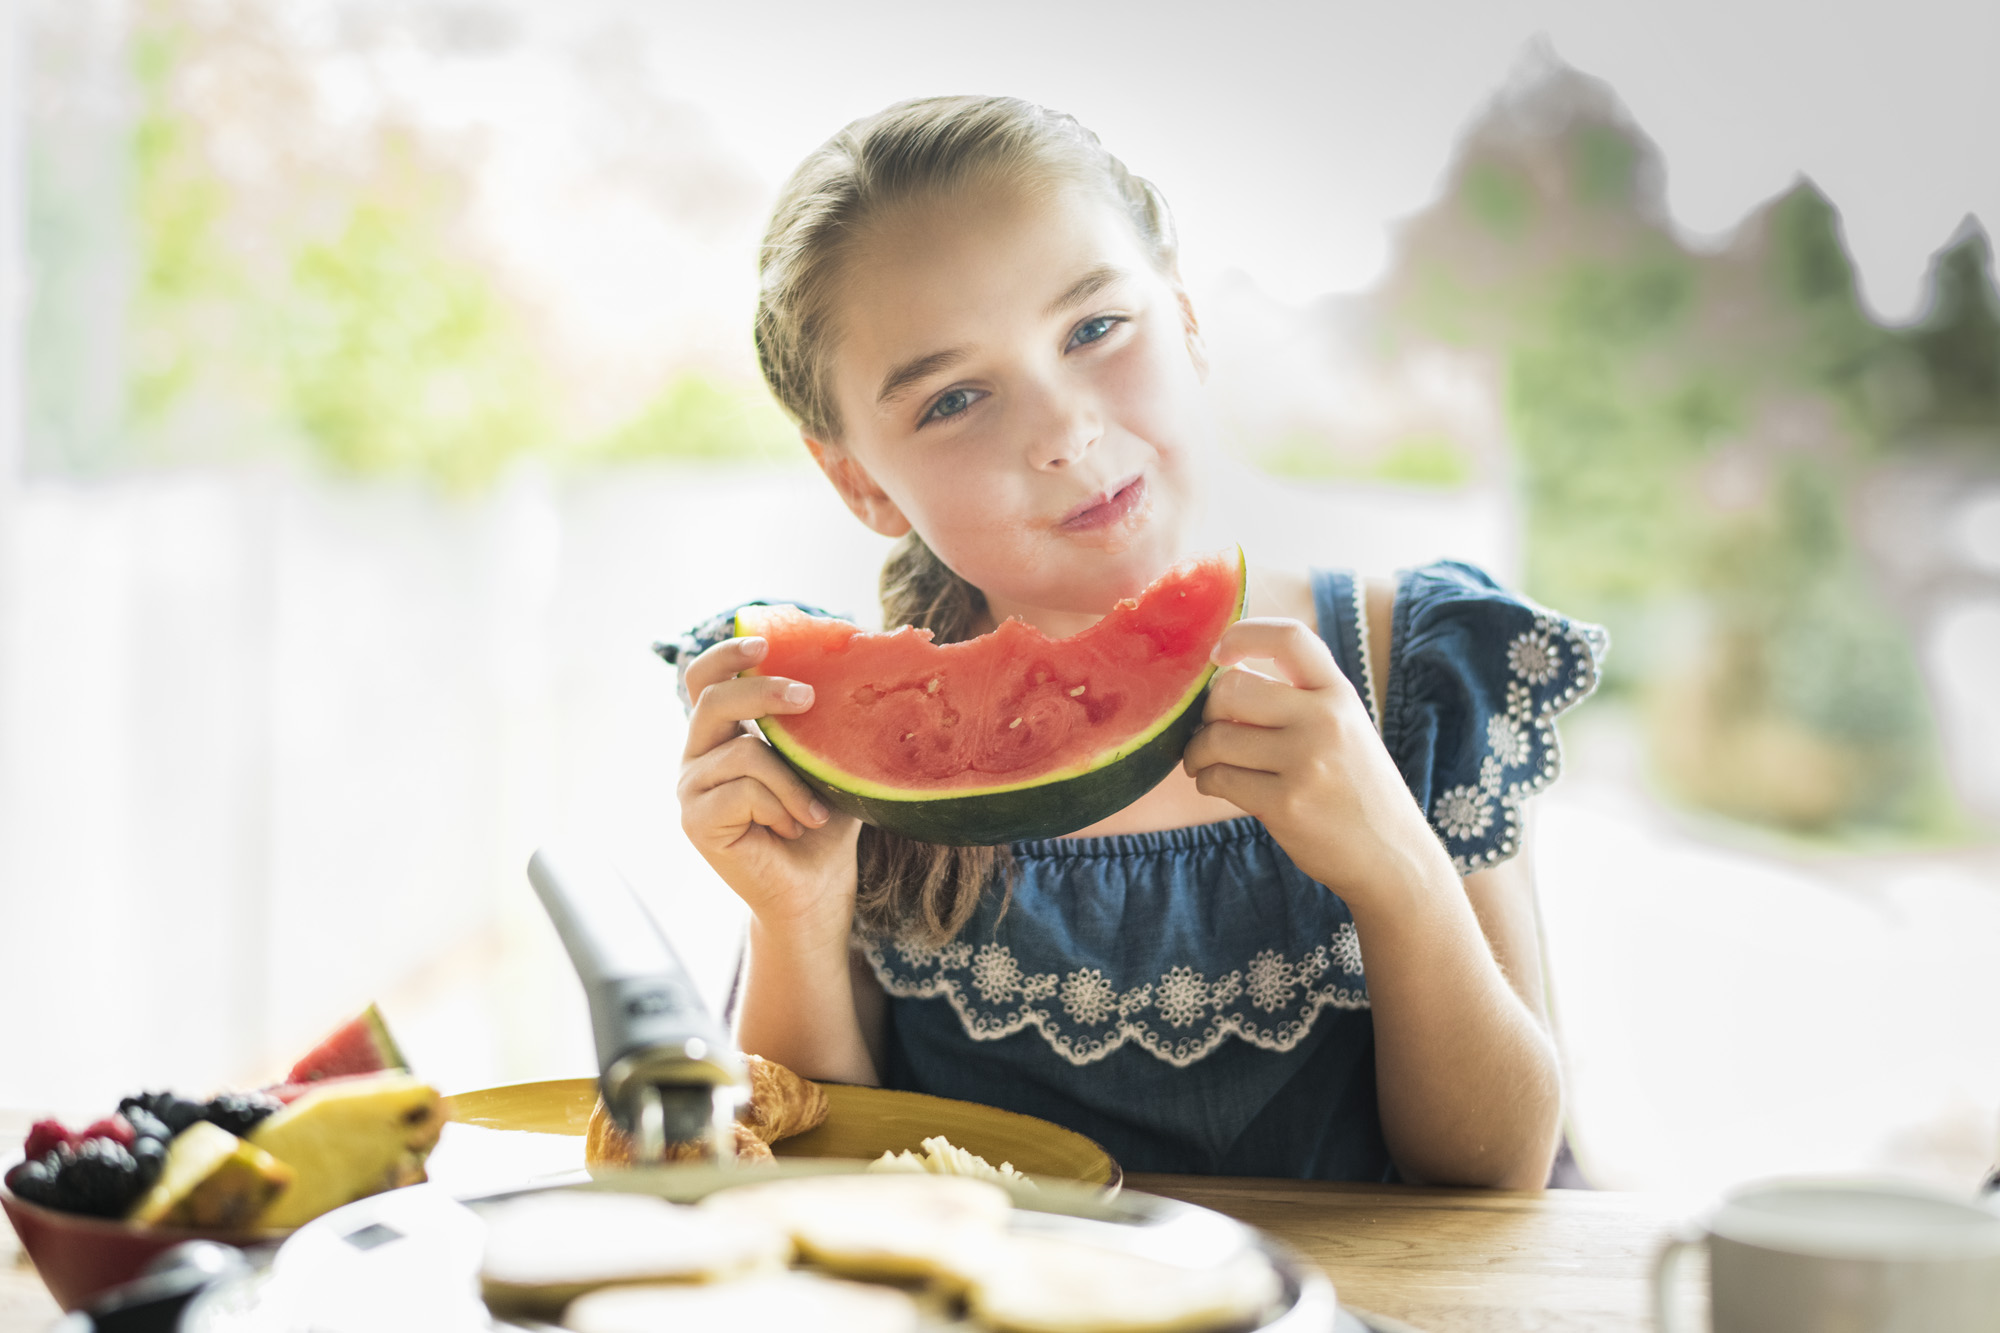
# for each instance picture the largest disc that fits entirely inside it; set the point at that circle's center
(781, 1104)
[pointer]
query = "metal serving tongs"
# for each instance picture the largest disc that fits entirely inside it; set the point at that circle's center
(669, 1073)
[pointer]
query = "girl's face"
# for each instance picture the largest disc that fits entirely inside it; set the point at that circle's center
(1017, 382)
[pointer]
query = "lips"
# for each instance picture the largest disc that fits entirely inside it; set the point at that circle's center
(1107, 507)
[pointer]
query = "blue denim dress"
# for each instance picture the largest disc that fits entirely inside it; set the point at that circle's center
(1190, 999)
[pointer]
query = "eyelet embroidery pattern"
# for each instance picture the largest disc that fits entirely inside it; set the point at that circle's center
(1179, 1016)
(1554, 664)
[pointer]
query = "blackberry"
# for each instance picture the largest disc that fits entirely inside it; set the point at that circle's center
(151, 1156)
(176, 1113)
(145, 1125)
(240, 1112)
(102, 1179)
(35, 1180)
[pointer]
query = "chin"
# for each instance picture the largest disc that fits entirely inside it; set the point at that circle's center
(1096, 588)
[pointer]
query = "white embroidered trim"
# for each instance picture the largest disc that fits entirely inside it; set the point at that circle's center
(1523, 737)
(1374, 699)
(995, 998)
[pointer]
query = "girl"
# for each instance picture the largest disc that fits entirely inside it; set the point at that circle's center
(974, 313)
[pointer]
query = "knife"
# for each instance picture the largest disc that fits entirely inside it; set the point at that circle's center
(668, 1071)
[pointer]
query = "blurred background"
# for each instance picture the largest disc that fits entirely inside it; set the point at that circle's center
(379, 387)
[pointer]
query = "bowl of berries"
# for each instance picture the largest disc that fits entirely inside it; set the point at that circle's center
(93, 1208)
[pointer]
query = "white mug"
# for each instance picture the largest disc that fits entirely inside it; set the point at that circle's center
(1841, 1256)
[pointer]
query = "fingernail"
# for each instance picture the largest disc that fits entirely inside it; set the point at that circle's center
(753, 645)
(817, 811)
(796, 693)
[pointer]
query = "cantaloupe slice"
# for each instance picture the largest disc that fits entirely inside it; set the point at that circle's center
(349, 1139)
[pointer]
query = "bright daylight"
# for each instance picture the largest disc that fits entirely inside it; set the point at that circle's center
(1030, 668)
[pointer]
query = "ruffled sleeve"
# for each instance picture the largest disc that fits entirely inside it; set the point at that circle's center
(677, 652)
(1477, 677)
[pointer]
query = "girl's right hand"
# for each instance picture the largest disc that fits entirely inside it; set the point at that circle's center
(788, 857)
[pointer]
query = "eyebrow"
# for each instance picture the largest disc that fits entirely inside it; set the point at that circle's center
(1085, 287)
(898, 381)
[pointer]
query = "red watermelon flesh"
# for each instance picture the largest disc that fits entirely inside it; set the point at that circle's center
(362, 1045)
(894, 713)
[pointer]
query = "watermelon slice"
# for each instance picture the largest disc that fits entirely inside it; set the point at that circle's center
(1008, 736)
(362, 1045)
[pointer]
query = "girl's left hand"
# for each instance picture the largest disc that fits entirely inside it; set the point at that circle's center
(1301, 754)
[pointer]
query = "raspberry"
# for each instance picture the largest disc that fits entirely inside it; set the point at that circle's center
(101, 1180)
(45, 1136)
(240, 1112)
(176, 1113)
(114, 1127)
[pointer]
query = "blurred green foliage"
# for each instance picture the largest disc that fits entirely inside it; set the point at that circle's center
(401, 355)
(1693, 433)
(1415, 460)
(696, 420)
(291, 287)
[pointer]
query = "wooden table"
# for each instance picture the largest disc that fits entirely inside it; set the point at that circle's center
(1444, 1261)
(1456, 1261)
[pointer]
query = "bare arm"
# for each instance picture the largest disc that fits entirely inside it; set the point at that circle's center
(788, 858)
(1467, 1074)
(1468, 1082)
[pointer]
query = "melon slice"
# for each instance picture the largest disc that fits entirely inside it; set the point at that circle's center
(362, 1045)
(1008, 736)
(212, 1180)
(348, 1139)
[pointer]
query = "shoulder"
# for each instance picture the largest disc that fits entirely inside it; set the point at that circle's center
(1478, 674)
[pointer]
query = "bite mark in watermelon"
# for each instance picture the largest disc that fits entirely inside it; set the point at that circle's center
(1008, 736)
(362, 1045)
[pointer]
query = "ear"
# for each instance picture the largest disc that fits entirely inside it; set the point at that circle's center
(868, 502)
(1191, 329)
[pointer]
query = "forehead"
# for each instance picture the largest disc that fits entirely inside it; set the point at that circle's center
(966, 270)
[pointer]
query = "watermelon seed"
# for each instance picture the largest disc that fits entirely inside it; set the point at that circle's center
(909, 735)
(1078, 690)
(1015, 723)
(932, 688)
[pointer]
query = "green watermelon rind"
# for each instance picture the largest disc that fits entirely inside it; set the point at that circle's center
(335, 1056)
(1046, 806)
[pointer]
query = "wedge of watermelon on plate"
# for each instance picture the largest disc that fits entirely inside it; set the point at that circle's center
(361, 1045)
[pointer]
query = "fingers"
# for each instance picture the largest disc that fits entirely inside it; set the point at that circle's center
(1253, 748)
(720, 661)
(1251, 792)
(742, 782)
(723, 700)
(1246, 696)
(729, 811)
(1301, 655)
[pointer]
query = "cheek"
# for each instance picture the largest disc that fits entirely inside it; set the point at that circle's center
(966, 502)
(1160, 395)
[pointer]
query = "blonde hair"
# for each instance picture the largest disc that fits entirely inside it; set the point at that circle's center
(924, 149)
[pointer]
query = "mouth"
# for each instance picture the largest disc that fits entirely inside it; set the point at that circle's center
(1107, 507)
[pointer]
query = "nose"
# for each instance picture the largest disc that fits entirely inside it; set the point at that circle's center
(1068, 423)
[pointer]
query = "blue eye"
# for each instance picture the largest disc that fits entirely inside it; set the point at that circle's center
(1093, 329)
(951, 403)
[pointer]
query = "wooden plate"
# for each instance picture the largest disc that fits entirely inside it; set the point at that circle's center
(862, 1123)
